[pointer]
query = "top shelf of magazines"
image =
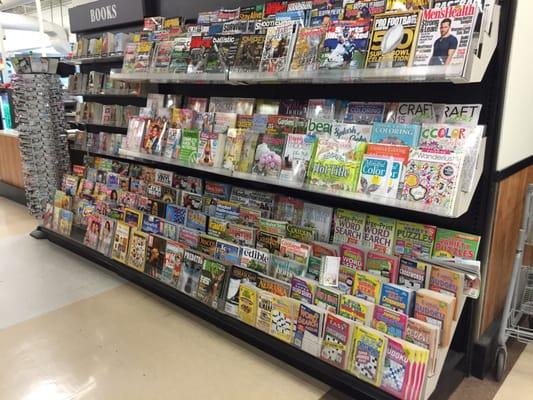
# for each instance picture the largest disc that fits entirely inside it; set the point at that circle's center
(291, 53)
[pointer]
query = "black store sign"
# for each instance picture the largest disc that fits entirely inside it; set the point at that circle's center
(105, 14)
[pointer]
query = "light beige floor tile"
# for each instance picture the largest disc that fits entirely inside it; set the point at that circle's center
(14, 219)
(126, 344)
(37, 277)
(518, 384)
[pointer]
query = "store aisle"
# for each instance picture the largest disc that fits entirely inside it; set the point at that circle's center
(70, 330)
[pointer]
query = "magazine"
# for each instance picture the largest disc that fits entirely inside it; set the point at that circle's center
(306, 51)
(345, 44)
(249, 53)
(393, 40)
(278, 48)
(445, 36)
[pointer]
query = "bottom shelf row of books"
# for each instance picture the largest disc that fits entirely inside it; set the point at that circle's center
(383, 333)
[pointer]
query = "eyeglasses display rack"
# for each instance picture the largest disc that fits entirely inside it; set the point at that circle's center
(481, 82)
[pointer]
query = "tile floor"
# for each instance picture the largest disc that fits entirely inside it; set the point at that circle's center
(71, 330)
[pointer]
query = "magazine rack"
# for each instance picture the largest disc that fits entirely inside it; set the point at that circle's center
(462, 203)
(479, 56)
(94, 60)
(483, 79)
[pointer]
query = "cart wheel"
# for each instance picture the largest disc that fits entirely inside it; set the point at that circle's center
(501, 362)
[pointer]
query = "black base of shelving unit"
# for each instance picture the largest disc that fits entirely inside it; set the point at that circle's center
(452, 375)
(14, 193)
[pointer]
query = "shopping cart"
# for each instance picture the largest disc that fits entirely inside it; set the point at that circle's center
(517, 319)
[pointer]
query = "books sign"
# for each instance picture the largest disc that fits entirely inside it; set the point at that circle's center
(105, 14)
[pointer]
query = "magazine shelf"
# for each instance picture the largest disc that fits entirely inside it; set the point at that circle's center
(107, 95)
(166, 77)
(462, 203)
(95, 128)
(271, 345)
(94, 60)
(480, 54)
(468, 215)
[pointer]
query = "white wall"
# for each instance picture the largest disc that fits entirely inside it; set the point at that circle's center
(516, 141)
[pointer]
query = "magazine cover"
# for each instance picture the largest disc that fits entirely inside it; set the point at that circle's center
(326, 14)
(264, 310)
(461, 114)
(268, 154)
(142, 56)
(327, 299)
(336, 164)
(278, 48)
(237, 276)
(161, 57)
(105, 239)
(309, 328)
(349, 227)
(303, 289)
(210, 287)
(364, 113)
(456, 139)
(397, 134)
(392, 41)
(353, 132)
(249, 53)
(353, 257)
(411, 113)
(289, 209)
(306, 51)
(190, 272)
(155, 134)
(233, 149)
(179, 56)
(134, 137)
(284, 316)
(299, 150)
(284, 269)
(433, 179)
(413, 239)
(399, 367)
(450, 244)
(223, 52)
(255, 259)
(426, 336)
(274, 286)
(293, 250)
(412, 273)
(445, 36)
(366, 357)
(380, 176)
(211, 149)
(379, 233)
(345, 44)
(318, 217)
(130, 53)
(354, 10)
(137, 249)
(248, 303)
(93, 231)
(356, 309)
(155, 255)
(190, 142)
(337, 339)
(120, 242)
(199, 50)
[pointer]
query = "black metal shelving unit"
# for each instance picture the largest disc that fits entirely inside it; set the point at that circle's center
(95, 128)
(488, 92)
